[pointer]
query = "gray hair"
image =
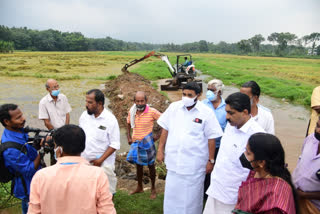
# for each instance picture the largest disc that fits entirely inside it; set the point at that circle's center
(217, 83)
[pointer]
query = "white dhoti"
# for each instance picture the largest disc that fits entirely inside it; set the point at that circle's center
(214, 206)
(183, 193)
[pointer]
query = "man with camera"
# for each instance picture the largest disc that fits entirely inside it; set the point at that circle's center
(23, 165)
(71, 185)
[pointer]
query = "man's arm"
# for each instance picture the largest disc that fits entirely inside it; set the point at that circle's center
(105, 155)
(212, 150)
(34, 204)
(162, 144)
(67, 118)
(129, 133)
(48, 124)
(309, 195)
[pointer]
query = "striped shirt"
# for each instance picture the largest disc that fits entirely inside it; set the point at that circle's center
(144, 123)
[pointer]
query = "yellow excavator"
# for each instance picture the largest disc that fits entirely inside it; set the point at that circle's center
(181, 73)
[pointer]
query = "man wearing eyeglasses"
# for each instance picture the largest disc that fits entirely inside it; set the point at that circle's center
(54, 108)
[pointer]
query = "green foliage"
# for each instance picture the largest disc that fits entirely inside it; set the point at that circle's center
(256, 41)
(6, 47)
(244, 46)
(137, 203)
(283, 39)
(6, 200)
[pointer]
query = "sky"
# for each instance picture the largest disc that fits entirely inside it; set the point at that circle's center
(165, 21)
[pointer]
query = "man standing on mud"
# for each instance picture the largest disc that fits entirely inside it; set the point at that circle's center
(54, 109)
(102, 135)
(141, 118)
(259, 113)
(188, 143)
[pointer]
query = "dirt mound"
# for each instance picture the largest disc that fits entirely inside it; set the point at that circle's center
(121, 91)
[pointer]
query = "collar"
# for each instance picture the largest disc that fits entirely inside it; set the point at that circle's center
(72, 159)
(245, 128)
(102, 114)
(222, 103)
(314, 139)
(50, 99)
(146, 110)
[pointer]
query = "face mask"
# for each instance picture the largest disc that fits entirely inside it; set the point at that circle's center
(55, 152)
(211, 96)
(55, 93)
(189, 101)
(141, 107)
(251, 101)
(245, 163)
(317, 136)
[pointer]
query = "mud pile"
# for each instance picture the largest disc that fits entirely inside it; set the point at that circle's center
(121, 91)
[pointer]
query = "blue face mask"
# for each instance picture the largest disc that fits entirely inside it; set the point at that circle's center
(211, 96)
(55, 92)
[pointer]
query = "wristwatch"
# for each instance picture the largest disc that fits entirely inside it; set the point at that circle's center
(211, 161)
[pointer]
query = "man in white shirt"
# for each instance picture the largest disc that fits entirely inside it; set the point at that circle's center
(187, 142)
(54, 109)
(102, 135)
(260, 114)
(228, 172)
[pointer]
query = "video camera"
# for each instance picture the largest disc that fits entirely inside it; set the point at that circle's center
(40, 134)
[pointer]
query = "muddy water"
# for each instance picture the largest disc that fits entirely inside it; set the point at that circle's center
(290, 120)
(27, 92)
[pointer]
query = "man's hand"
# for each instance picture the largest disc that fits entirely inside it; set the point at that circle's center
(160, 156)
(96, 162)
(209, 167)
(301, 194)
(129, 140)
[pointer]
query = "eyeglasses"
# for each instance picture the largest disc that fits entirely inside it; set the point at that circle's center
(210, 89)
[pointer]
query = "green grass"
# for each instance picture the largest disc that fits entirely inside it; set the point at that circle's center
(138, 203)
(5, 199)
(289, 78)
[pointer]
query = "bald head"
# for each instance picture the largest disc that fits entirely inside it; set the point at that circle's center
(140, 95)
(51, 83)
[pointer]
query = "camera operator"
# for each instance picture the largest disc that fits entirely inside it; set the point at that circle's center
(22, 165)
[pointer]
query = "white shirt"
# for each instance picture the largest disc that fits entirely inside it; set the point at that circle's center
(228, 172)
(186, 150)
(101, 132)
(54, 111)
(265, 119)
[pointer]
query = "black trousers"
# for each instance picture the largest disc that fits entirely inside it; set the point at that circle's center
(208, 178)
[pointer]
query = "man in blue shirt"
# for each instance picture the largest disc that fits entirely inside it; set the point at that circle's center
(24, 164)
(217, 104)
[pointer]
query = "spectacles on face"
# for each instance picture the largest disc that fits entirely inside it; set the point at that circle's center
(210, 89)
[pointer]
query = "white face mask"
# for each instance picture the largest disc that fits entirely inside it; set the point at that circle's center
(189, 101)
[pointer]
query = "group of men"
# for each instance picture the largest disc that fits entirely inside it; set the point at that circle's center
(70, 181)
(200, 143)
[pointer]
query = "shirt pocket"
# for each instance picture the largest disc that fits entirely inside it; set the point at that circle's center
(196, 129)
(101, 135)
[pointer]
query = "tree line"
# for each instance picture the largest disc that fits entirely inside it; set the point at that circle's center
(282, 44)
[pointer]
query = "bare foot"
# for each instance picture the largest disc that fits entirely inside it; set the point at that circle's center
(153, 194)
(138, 190)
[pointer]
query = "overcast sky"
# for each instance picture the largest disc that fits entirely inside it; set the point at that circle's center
(163, 21)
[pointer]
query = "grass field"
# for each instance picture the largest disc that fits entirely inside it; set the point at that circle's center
(289, 78)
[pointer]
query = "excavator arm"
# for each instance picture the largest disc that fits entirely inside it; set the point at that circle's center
(133, 62)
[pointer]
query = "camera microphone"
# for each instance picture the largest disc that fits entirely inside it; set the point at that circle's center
(28, 129)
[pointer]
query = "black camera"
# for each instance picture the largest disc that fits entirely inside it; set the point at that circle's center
(38, 135)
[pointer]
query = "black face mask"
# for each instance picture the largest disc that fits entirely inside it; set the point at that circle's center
(141, 107)
(317, 136)
(245, 163)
